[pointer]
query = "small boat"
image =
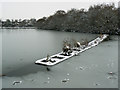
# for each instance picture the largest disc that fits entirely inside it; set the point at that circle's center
(60, 57)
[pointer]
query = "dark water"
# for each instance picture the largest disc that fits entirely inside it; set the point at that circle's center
(22, 47)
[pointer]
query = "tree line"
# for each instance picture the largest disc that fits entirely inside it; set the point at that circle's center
(103, 18)
(19, 23)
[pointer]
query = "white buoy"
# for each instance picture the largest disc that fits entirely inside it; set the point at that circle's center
(81, 68)
(48, 78)
(68, 74)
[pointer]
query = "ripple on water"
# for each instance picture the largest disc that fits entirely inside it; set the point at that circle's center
(47, 82)
(31, 80)
(112, 77)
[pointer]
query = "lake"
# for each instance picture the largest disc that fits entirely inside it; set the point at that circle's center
(94, 68)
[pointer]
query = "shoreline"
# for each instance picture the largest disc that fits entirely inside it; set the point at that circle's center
(79, 32)
(57, 30)
(18, 28)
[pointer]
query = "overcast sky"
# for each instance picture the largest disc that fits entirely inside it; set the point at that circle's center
(21, 9)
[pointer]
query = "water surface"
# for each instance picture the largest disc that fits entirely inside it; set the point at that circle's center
(22, 47)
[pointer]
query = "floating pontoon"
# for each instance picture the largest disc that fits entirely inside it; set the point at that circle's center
(57, 58)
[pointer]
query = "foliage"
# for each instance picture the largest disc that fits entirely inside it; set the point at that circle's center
(19, 23)
(101, 18)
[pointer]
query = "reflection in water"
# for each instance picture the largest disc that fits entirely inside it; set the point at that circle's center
(112, 77)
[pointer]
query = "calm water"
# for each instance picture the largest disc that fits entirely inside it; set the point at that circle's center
(21, 48)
